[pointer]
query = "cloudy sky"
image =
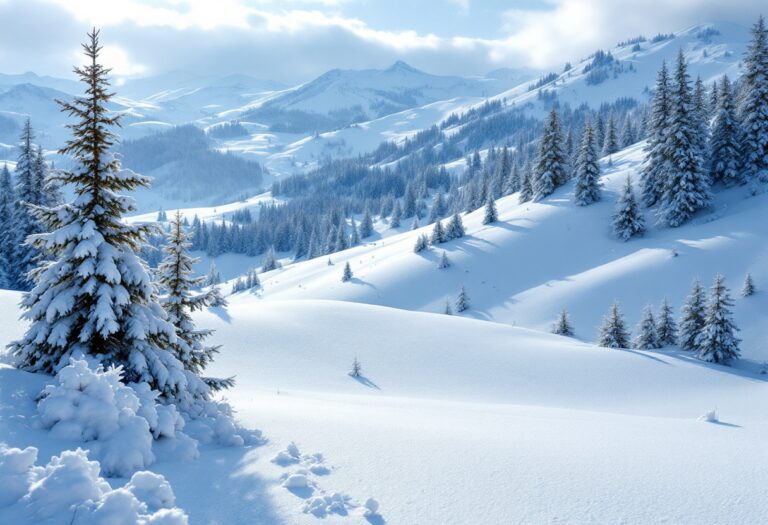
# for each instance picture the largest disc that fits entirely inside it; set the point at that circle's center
(292, 41)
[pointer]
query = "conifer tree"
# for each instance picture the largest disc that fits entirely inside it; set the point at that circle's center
(415, 224)
(550, 170)
(438, 234)
(341, 237)
(462, 301)
(512, 182)
(347, 275)
(180, 301)
(422, 243)
(686, 185)
(627, 137)
(8, 235)
(666, 327)
(611, 141)
(29, 193)
(748, 288)
(692, 319)
(717, 341)
(526, 190)
(647, 337)
(409, 203)
(438, 207)
(753, 107)
(701, 116)
(491, 215)
(563, 325)
(397, 215)
(628, 220)
(444, 262)
(214, 277)
(366, 224)
(613, 333)
(95, 295)
(270, 261)
(724, 154)
(587, 190)
(357, 369)
(455, 229)
(656, 163)
(355, 237)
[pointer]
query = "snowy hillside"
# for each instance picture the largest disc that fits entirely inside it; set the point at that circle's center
(542, 257)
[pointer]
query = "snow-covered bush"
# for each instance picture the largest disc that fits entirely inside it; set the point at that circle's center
(69, 489)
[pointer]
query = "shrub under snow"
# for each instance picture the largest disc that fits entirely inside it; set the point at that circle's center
(124, 425)
(70, 487)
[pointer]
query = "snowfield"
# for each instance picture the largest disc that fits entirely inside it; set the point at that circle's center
(481, 417)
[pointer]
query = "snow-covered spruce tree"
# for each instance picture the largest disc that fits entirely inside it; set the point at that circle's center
(686, 185)
(214, 277)
(444, 261)
(490, 215)
(551, 162)
(438, 234)
(628, 220)
(422, 243)
(29, 192)
(701, 116)
(717, 341)
(397, 215)
(462, 301)
(563, 324)
(174, 275)
(753, 107)
(354, 238)
(455, 229)
(95, 295)
(656, 163)
(8, 234)
(748, 288)
(270, 261)
(611, 140)
(724, 153)
(438, 207)
(347, 274)
(647, 337)
(526, 189)
(666, 328)
(415, 224)
(692, 317)
(342, 242)
(613, 333)
(587, 188)
(366, 224)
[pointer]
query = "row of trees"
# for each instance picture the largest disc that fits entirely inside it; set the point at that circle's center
(706, 326)
(30, 185)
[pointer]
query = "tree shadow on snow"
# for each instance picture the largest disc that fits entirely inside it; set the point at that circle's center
(222, 486)
(745, 368)
(724, 424)
(365, 382)
(375, 520)
(221, 313)
(356, 280)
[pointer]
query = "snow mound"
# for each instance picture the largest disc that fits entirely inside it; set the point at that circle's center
(323, 505)
(315, 463)
(118, 422)
(298, 480)
(69, 488)
(710, 417)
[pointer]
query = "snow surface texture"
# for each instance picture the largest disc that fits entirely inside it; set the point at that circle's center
(69, 490)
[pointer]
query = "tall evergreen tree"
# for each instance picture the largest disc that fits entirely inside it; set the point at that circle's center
(657, 159)
(613, 332)
(692, 319)
(724, 154)
(550, 170)
(180, 301)
(438, 233)
(587, 188)
(270, 261)
(611, 140)
(29, 193)
(563, 325)
(628, 220)
(753, 108)
(686, 186)
(366, 224)
(455, 227)
(462, 301)
(748, 288)
(490, 215)
(717, 341)
(8, 234)
(647, 337)
(666, 327)
(347, 274)
(397, 215)
(526, 190)
(95, 296)
(438, 207)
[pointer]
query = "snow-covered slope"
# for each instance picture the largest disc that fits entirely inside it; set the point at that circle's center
(541, 257)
